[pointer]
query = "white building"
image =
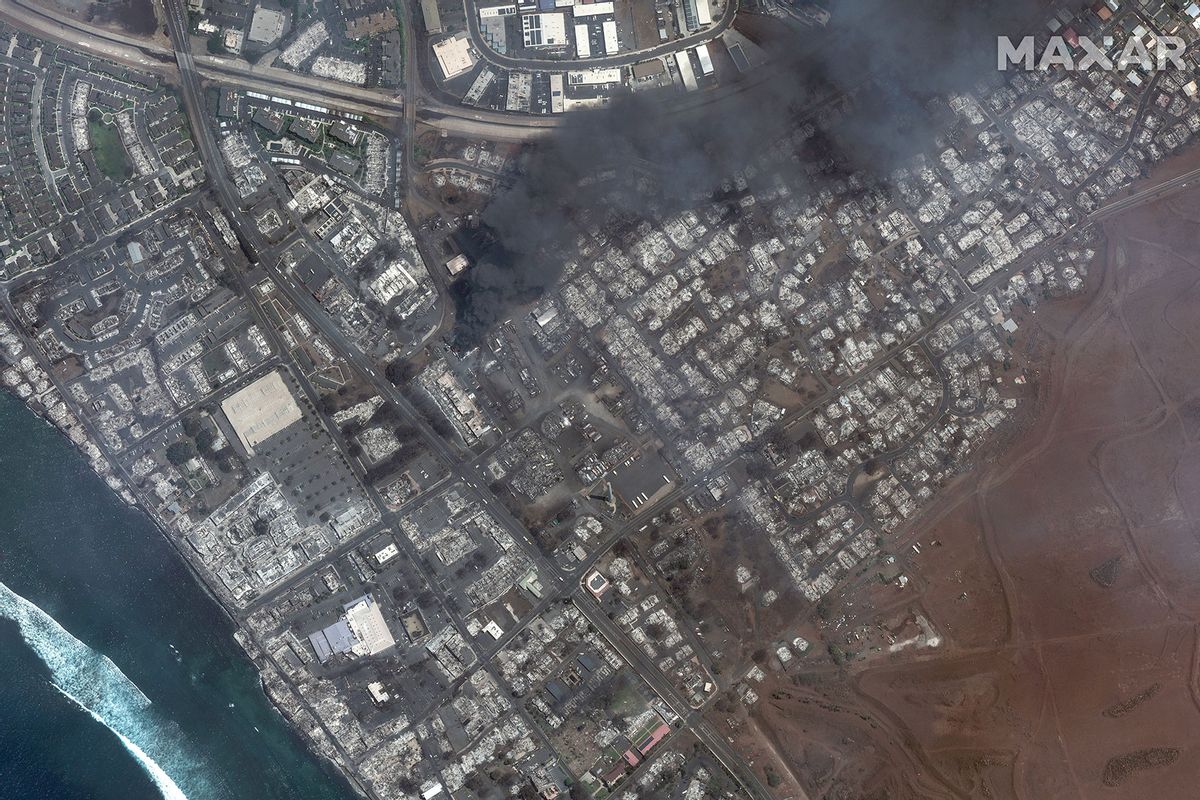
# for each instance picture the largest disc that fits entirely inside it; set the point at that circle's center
(583, 44)
(454, 55)
(544, 30)
(611, 44)
(592, 9)
(686, 73)
(266, 26)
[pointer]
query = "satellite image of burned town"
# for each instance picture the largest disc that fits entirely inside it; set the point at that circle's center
(629, 399)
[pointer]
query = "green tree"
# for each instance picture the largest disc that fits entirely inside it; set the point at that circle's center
(205, 439)
(181, 452)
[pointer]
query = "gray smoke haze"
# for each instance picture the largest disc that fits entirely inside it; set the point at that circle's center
(882, 62)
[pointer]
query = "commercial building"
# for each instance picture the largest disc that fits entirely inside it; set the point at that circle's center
(600, 76)
(269, 120)
(697, 14)
(587, 9)
(746, 54)
(362, 631)
(583, 44)
(394, 281)
(544, 29)
(454, 55)
(556, 93)
(266, 26)
(433, 20)
(345, 164)
(336, 639)
(307, 129)
(520, 91)
(370, 630)
(345, 132)
(686, 73)
(261, 410)
(611, 44)
(648, 70)
(495, 32)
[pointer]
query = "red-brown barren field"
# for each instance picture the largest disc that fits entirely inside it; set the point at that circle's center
(1063, 577)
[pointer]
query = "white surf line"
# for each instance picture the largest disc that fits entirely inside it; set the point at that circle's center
(166, 786)
(94, 683)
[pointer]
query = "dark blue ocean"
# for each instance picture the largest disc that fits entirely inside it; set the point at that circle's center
(119, 676)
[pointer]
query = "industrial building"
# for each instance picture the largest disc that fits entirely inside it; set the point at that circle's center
(583, 44)
(611, 44)
(686, 73)
(544, 29)
(589, 9)
(697, 14)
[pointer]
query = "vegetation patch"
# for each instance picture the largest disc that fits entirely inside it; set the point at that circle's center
(107, 148)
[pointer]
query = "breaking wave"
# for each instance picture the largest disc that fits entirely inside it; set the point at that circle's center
(166, 786)
(94, 683)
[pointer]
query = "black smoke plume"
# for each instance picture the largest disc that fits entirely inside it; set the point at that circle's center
(867, 80)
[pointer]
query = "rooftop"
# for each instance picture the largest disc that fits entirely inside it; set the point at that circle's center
(454, 55)
(266, 26)
(261, 410)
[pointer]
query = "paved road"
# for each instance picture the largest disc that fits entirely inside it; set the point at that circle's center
(430, 107)
(1157, 192)
(555, 583)
(691, 718)
(620, 60)
(149, 55)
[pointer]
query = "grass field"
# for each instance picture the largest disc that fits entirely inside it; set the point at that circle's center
(107, 148)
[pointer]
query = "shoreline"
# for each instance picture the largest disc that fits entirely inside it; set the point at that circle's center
(104, 468)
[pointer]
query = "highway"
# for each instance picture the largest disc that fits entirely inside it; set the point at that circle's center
(148, 55)
(554, 582)
(427, 106)
(1156, 192)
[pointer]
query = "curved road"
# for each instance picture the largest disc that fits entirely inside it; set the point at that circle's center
(621, 60)
(427, 107)
(149, 55)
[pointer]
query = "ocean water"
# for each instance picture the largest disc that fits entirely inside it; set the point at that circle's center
(119, 676)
